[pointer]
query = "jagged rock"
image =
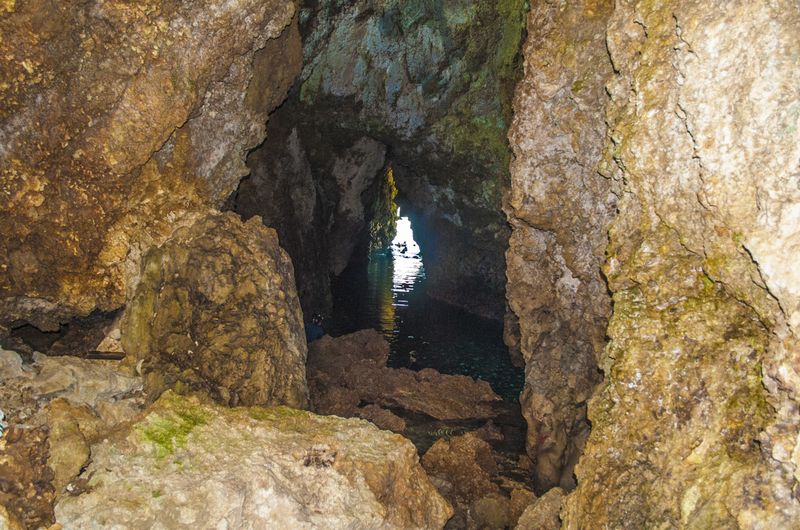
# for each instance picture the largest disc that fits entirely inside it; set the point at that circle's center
(357, 362)
(186, 463)
(467, 463)
(520, 500)
(113, 391)
(383, 418)
(559, 208)
(696, 424)
(542, 514)
(118, 124)
(217, 310)
(433, 82)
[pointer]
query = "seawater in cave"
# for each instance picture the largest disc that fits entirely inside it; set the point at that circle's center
(604, 193)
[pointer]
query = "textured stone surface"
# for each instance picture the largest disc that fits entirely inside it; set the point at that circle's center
(542, 514)
(217, 310)
(433, 81)
(118, 121)
(559, 208)
(351, 369)
(467, 463)
(696, 423)
(317, 191)
(205, 466)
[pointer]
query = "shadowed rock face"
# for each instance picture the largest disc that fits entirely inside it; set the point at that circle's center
(217, 310)
(559, 207)
(118, 121)
(432, 81)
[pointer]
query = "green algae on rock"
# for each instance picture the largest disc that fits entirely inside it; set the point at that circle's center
(253, 467)
(216, 309)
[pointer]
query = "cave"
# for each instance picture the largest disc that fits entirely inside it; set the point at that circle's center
(554, 245)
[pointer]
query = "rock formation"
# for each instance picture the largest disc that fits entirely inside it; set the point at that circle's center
(433, 82)
(216, 310)
(346, 371)
(696, 423)
(559, 208)
(118, 122)
(186, 463)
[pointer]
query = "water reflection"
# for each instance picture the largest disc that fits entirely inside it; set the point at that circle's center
(388, 294)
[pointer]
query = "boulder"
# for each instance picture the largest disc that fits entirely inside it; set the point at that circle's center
(217, 310)
(384, 419)
(467, 463)
(357, 362)
(543, 513)
(190, 464)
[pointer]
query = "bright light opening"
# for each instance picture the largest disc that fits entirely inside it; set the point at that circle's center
(407, 260)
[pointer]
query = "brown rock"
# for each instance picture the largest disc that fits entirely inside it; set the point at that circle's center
(217, 310)
(559, 208)
(26, 489)
(490, 512)
(467, 463)
(119, 124)
(543, 514)
(520, 500)
(358, 362)
(383, 418)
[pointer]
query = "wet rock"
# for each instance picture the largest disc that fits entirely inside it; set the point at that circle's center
(543, 513)
(384, 419)
(217, 310)
(357, 362)
(467, 463)
(186, 463)
(118, 125)
(559, 208)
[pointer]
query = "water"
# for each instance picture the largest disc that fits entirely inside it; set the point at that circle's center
(388, 294)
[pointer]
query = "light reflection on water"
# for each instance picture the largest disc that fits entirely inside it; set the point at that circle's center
(388, 294)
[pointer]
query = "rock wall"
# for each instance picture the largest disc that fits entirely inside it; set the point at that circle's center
(433, 82)
(559, 208)
(696, 424)
(117, 122)
(318, 191)
(661, 140)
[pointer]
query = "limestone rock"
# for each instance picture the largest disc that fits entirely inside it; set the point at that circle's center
(559, 208)
(354, 366)
(383, 418)
(696, 423)
(433, 82)
(467, 463)
(186, 463)
(542, 514)
(217, 310)
(118, 123)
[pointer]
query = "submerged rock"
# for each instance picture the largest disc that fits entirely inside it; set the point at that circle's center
(190, 464)
(346, 370)
(217, 310)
